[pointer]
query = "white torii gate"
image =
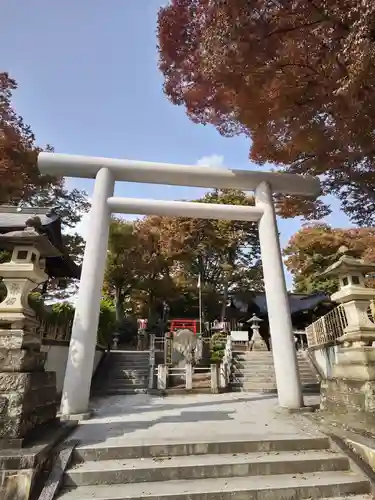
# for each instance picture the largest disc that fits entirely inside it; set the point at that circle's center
(106, 171)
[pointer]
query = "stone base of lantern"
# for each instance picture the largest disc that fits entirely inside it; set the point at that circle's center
(358, 336)
(27, 401)
(257, 343)
(349, 398)
(351, 389)
(28, 396)
(355, 363)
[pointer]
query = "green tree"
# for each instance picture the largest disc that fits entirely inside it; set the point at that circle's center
(123, 258)
(315, 247)
(226, 254)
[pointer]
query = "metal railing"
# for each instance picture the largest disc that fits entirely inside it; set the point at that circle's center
(59, 332)
(328, 328)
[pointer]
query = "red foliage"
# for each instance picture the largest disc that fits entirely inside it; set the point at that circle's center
(297, 77)
(19, 175)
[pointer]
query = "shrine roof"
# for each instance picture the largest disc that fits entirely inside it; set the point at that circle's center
(298, 302)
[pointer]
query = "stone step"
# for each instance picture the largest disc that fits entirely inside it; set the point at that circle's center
(110, 391)
(307, 389)
(128, 362)
(277, 487)
(267, 363)
(119, 386)
(130, 355)
(267, 373)
(241, 377)
(128, 367)
(89, 453)
(125, 362)
(127, 374)
(251, 380)
(119, 378)
(204, 467)
(127, 370)
(257, 390)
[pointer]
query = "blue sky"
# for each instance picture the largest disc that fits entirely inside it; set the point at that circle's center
(89, 84)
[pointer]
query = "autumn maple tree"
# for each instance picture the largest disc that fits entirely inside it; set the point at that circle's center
(316, 246)
(160, 258)
(297, 78)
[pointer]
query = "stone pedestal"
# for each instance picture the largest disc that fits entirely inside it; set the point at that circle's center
(27, 400)
(28, 394)
(356, 363)
(351, 389)
(257, 343)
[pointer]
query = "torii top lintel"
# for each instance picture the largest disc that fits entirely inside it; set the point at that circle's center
(174, 174)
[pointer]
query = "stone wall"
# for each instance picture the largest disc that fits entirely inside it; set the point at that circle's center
(57, 356)
(324, 357)
(355, 398)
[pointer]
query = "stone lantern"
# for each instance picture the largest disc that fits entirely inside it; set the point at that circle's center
(351, 389)
(355, 298)
(256, 342)
(27, 392)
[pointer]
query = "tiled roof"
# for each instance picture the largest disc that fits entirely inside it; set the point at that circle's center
(298, 302)
(14, 217)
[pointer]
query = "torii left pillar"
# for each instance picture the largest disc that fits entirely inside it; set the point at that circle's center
(78, 375)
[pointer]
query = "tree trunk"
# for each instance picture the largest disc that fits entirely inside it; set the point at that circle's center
(119, 304)
(225, 299)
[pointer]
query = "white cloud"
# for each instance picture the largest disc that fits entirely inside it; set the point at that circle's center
(211, 161)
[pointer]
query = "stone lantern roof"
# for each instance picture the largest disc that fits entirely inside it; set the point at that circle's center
(14, 220)
(351, 274)
(347, 264)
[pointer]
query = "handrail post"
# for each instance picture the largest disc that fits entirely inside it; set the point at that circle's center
(151, 362)
(189, 376)
(162, 377)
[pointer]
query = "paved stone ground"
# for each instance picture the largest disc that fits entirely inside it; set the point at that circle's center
(146, 419)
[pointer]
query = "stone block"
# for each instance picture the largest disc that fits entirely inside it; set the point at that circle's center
(360, 372)
(346, 396)
(19, 339)
(22, 471)
(356, 355)
(21, 425)
(19, 403)
(17, 484)
(21, 360)
(27, 400)
(24, 381)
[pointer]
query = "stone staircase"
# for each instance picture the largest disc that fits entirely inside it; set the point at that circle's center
(253, 371)
(123, 372)
(278, 468)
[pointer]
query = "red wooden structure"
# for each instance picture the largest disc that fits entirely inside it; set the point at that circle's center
(180, 324)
